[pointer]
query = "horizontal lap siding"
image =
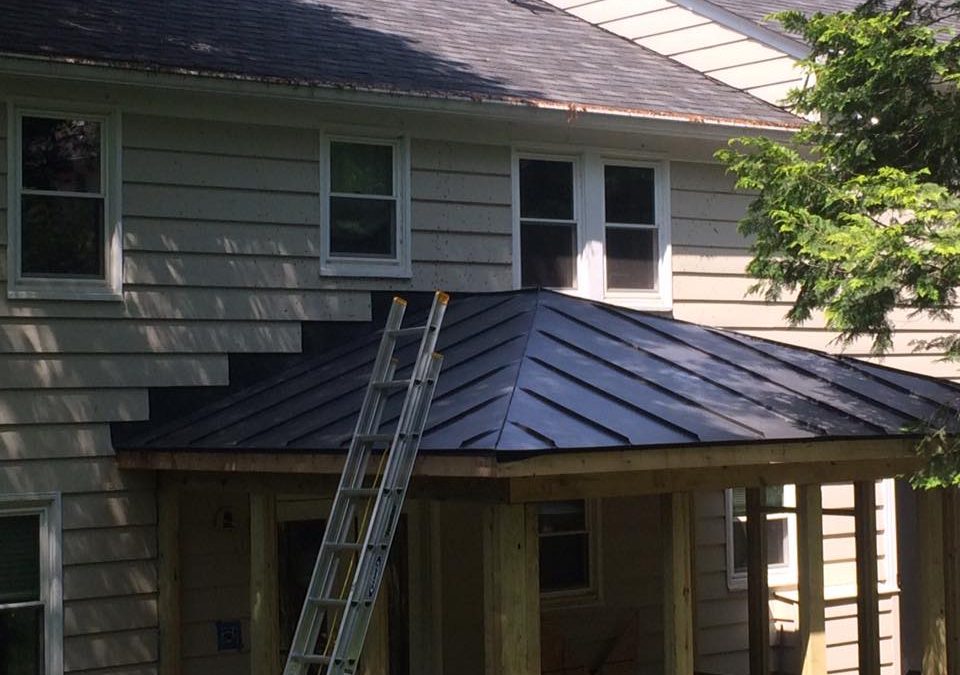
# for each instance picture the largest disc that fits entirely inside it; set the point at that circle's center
(221, 251)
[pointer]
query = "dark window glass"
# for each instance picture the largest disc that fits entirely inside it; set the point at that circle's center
(548, 255)
(360, 168)
(298, 543)
(21, 641)
(363, 227)
(628, 195)
(776, 543)
(546, 189)
(61, 236)
(61, 155)
(20, 559)
(564, 546)
(632, 257)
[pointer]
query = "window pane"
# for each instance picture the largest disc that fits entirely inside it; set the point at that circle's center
(548, 255)
(61, 236)
(632, 257)
(61, 154)
(562, 516)
(628, 195)
(546, 189)
(298, 545)
(774, 497)
(20, 560)
(361, 168)
(363, 227)
(21, 641)
(564, 562)
(777, 534)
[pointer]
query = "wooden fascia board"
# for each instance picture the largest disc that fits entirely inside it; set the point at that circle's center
(724, 457)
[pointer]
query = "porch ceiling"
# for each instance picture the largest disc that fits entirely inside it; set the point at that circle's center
(533, 371)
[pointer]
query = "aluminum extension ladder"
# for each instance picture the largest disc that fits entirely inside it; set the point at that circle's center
(366, 509)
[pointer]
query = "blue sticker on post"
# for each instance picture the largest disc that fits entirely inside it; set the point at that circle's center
(229, 636)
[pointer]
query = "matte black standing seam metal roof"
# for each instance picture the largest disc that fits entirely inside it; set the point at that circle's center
(506, 50)
(539, 371)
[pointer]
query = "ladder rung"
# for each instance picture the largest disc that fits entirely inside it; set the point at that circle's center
(311, 658)
(328, 602)
(359, 492)
(392, 384)
(375, 438)
(412, 330)
(345, 545)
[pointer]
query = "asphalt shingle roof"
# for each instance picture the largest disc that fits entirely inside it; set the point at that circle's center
(537, 371)
(508, 50)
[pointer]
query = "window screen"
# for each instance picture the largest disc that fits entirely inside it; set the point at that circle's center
(564, 546)
(21, 608)
(363, 200)
(548, 226)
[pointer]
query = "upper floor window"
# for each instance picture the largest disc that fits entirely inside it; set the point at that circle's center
(365, 220)
(30, 590)
(594, 225)
(781, 536)
(64, 239)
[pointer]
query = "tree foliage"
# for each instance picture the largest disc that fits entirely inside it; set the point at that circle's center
(858, 214)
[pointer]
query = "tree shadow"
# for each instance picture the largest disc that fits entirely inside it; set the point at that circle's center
(378, 45)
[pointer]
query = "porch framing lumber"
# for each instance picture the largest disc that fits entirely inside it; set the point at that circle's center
(676, 517)
(264, 586)
(511, 590)
(812, 605)
(951, 559)
(758, 592)
(868, 600)
(169, 591)
(933, 629)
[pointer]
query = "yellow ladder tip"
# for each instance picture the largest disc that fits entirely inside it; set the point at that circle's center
(442, 298)
(397, 300)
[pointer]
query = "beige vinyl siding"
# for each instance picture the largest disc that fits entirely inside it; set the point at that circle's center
(221, 241)
(695, 40)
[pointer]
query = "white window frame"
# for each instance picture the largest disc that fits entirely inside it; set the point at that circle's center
(778, 575)
(360, 266)
(588, 193)
(47, 506)
(110, 287)
(589, 594)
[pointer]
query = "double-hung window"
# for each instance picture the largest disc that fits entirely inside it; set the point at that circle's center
(567, 532)
(365, 208)
(594, 225)
(30, 589)
(64, 235)
(781, 536)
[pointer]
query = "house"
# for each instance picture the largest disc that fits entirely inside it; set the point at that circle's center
(201, 196)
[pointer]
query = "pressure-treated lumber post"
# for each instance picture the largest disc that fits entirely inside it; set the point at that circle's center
(264, 592)
(758, 595)
(868, 601)
(511, 590)
(168, 543)
(932, 596)
(813, 640)
(676, 524)
(951, 559)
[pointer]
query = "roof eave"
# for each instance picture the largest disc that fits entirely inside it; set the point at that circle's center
(506, 108)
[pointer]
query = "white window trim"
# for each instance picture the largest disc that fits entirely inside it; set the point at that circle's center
(777, 575)
(590, 594)
(110, 288)
(588, 194)
(344, 266)
(47, 506)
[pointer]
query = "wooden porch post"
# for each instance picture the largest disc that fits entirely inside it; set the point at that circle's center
(264, 592)
(676, 520)
(951, 555)
(758, 594)
(511, 590)
(932, 595)
(168, 542)
(813, 641)
(868, 602)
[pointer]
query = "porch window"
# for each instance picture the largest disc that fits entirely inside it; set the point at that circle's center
(781, 536)
(30, 598)
(365, 208)
(593, 225)
(64, 234)
(567, 534)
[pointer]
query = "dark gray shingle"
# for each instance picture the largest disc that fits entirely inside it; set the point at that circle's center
(487, 49)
